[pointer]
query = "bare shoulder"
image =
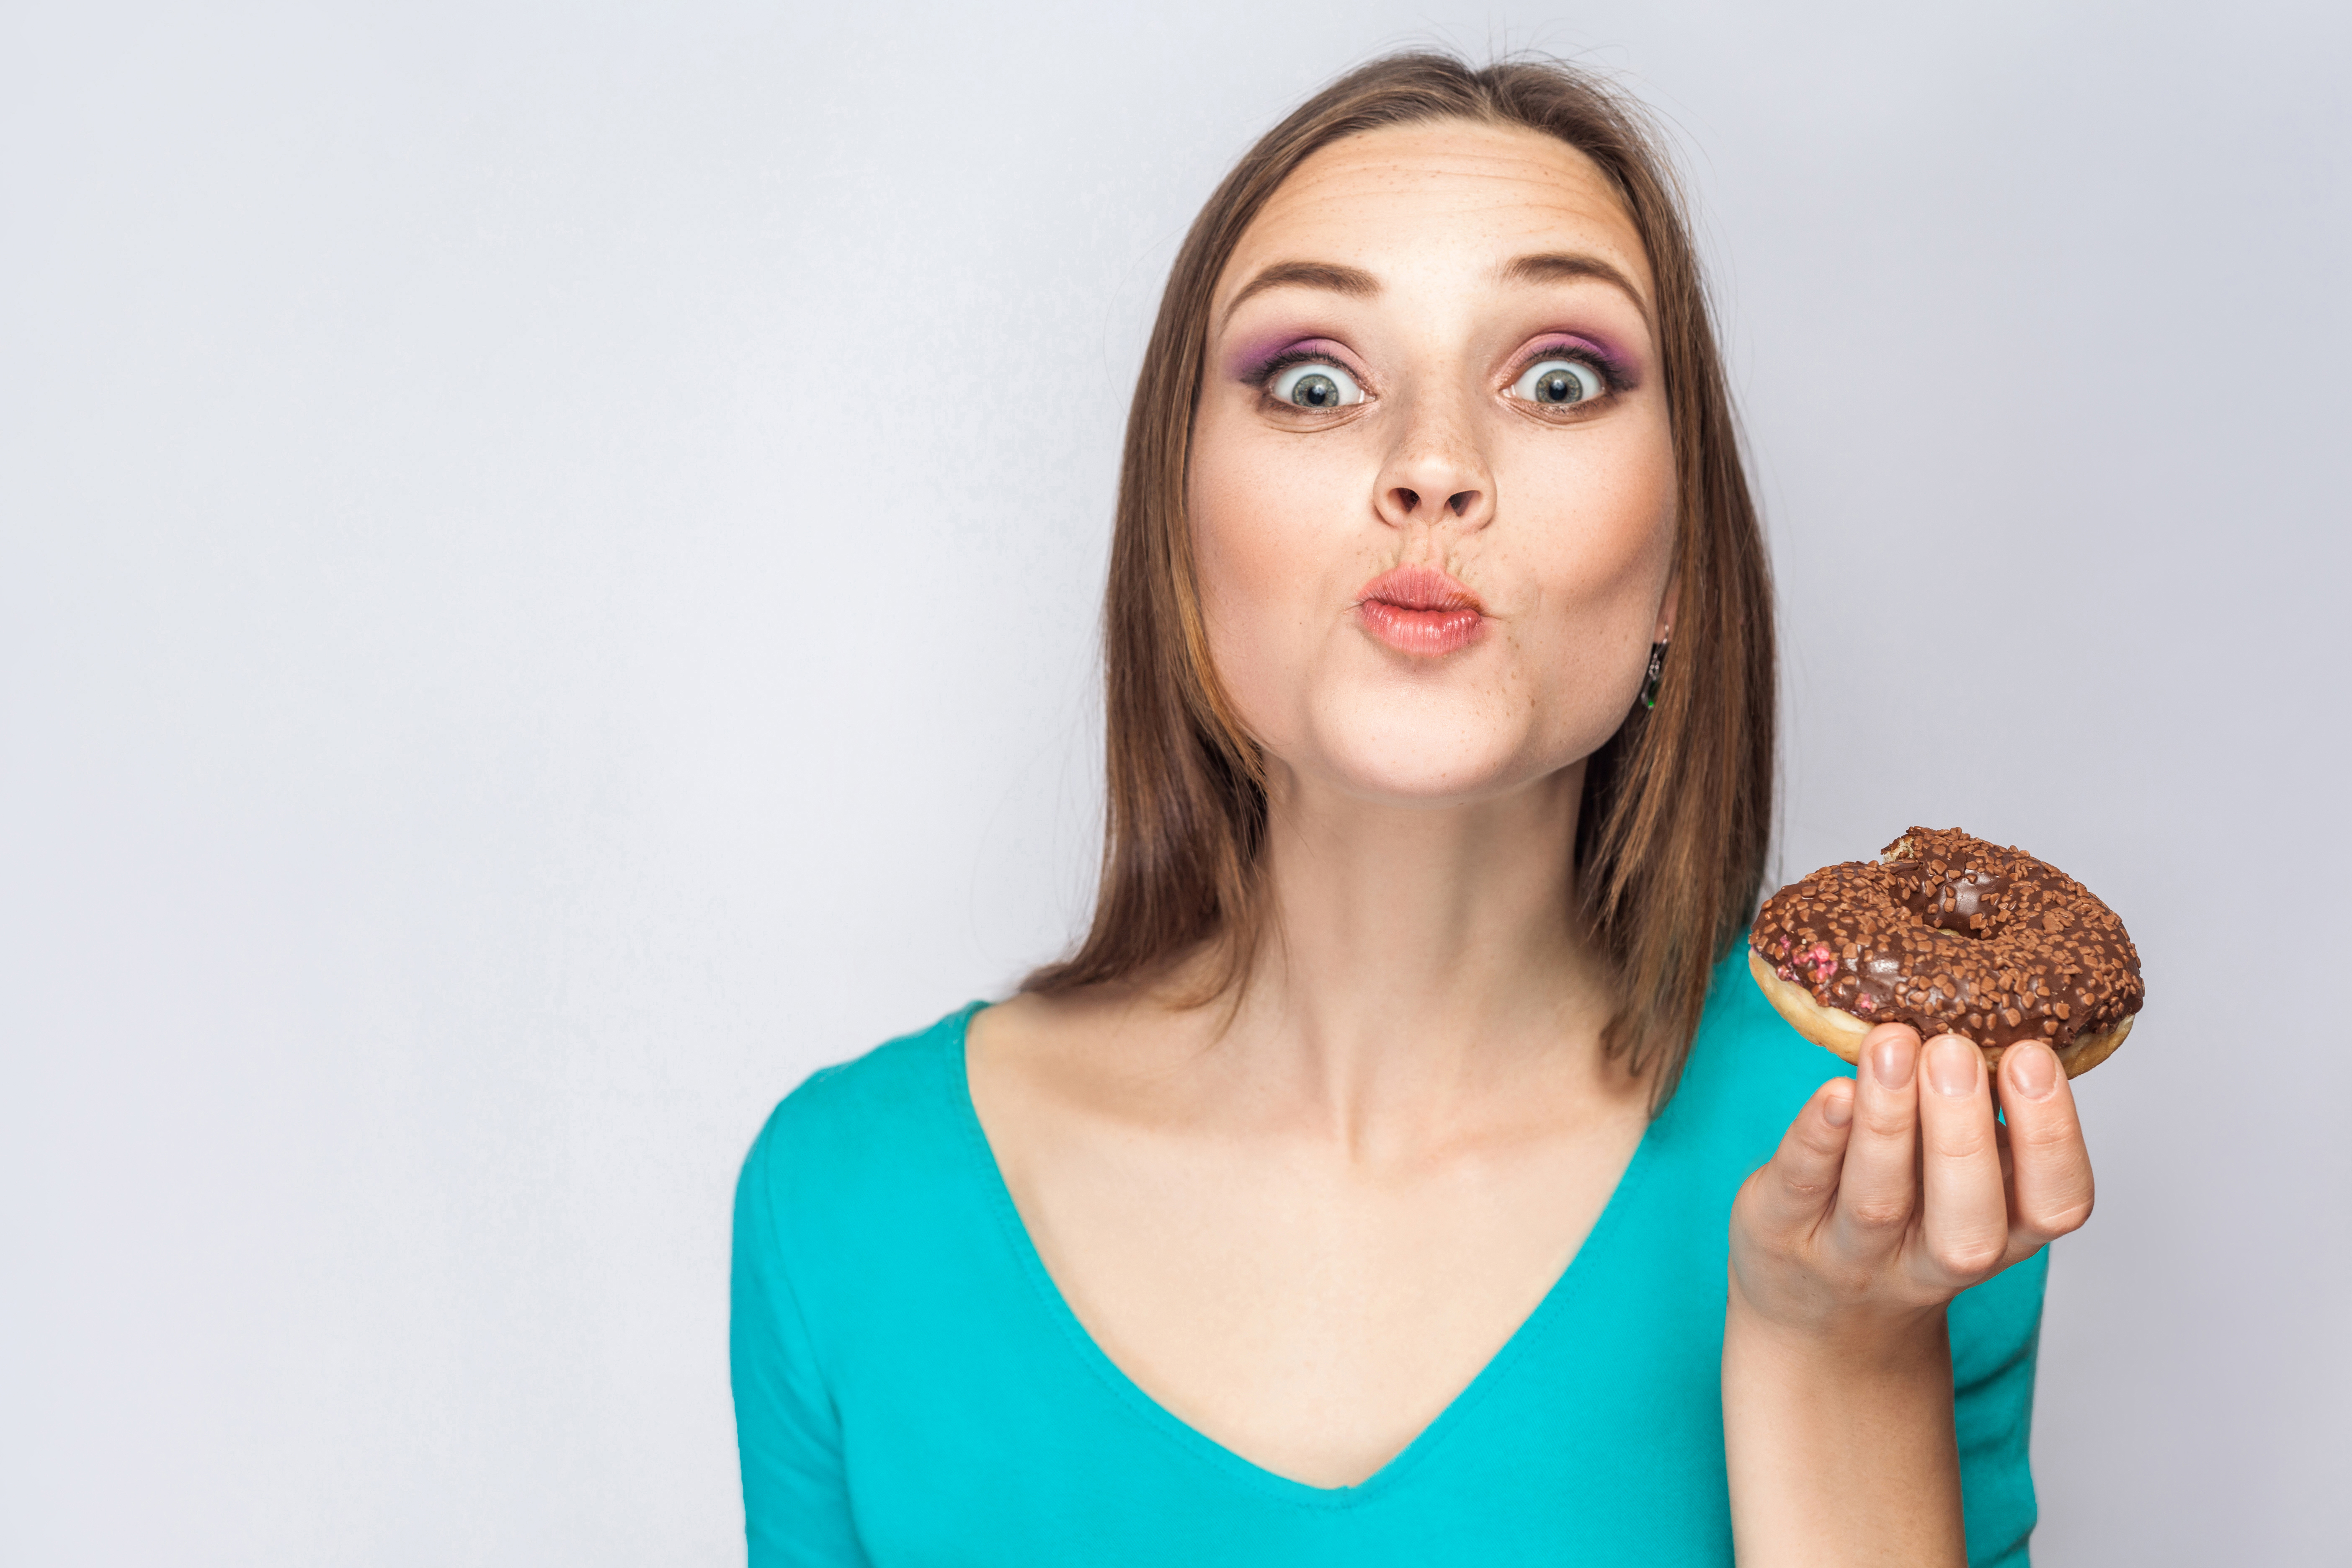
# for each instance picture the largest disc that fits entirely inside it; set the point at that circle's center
(1027, 1030)
(1030, 1037)
(1096, 1051)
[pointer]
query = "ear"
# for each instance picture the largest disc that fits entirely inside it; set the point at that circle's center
(1666, 606)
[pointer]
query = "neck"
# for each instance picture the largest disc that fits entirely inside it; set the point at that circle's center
(1415, 960)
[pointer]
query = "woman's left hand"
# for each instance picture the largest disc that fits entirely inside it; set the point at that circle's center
(1897, 1189)
(1892, 1193)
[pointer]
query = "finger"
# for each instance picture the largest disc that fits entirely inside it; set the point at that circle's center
(2051, 1191)
(1877, 1187)
(1965, 1228)
(1793, 1192)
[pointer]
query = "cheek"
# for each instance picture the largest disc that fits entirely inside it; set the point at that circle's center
(1610, 532)
(1597, 549)
(1264, 516)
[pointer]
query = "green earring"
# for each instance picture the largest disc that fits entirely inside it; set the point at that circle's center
(1657, 668)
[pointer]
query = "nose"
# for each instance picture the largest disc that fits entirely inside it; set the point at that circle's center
(1436, 475)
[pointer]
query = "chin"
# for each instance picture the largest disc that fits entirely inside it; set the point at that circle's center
(1429, 748)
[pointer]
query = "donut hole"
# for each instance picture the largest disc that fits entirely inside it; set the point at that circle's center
(1955, 900)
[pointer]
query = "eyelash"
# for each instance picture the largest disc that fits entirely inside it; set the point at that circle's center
(1289, 357)
(1614, 379)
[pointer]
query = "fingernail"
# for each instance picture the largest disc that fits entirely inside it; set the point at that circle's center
(1837, 1110)
(1890, 1063)
(2033, 1068)
(1952, 1066)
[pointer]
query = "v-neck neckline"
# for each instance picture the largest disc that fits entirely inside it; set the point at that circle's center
(1586, 1261)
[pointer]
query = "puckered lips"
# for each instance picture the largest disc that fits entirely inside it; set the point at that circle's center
(1420, 610)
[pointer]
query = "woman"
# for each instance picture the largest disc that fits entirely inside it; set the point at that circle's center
(1366, 1186)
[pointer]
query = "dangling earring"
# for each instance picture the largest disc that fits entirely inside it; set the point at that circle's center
(1657, 668)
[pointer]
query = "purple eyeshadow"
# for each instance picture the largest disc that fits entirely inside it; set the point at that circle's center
(1620, 366)
(1252, 359)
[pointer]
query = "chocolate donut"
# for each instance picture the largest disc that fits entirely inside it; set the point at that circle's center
(1951, 935)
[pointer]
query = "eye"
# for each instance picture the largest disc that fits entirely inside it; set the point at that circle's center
(1557, 383)
(1316, 385)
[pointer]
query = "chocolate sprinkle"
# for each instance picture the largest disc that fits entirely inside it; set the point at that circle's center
(1953, 935)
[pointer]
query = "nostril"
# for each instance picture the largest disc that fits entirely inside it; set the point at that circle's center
(1461, 502)
(1406, 500)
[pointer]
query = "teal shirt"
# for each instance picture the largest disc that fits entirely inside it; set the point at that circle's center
(911, 1388)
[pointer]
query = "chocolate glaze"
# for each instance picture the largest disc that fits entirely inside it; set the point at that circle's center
(1953, 935)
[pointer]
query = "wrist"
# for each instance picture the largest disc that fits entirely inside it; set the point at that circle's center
(1854, 1337)
(1838, 1436)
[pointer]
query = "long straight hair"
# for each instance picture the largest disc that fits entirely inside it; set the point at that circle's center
(1676, 805)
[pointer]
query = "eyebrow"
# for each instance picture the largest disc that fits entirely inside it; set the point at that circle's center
(1559, 266)
(1550, 267)
(1326, 275)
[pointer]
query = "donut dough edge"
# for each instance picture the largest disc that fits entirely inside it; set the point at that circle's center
(1841, 1033)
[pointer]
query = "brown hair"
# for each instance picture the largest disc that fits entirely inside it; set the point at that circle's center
(1677, 804)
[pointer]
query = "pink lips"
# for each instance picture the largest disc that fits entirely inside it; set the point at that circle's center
(1420, 610)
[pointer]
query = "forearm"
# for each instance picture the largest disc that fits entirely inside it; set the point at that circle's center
(1840, 1452)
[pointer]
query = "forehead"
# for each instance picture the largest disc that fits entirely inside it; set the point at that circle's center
(1410, 195)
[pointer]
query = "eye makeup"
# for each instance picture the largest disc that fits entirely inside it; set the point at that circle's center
(1615, 368)
(1256, 359)
(1260, 357)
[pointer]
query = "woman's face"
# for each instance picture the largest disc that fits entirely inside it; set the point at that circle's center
(1432, 480)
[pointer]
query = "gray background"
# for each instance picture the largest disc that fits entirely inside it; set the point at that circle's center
(548, 559)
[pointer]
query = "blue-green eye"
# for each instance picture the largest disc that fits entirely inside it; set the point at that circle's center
(1317, 384)
(1557, 383)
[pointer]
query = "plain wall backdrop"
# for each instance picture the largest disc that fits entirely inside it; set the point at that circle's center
(549, 558)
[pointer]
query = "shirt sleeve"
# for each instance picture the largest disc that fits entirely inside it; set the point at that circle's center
(795, 1497)
(1996, 1330)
